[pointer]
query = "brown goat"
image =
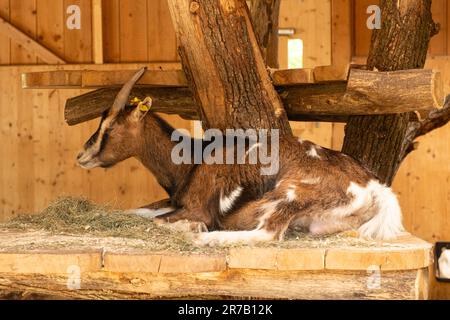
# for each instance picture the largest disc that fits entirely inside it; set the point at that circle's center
(316, 189)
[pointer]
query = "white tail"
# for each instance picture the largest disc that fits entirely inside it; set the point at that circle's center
(387, 222)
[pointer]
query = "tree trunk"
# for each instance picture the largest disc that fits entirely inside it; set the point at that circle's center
(381, 142)
(224, 66)
(265, 14)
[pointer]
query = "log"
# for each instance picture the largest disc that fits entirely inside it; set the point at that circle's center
(365, 93)
(224, 66)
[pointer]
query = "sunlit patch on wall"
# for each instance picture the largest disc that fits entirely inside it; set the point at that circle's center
(295, 53)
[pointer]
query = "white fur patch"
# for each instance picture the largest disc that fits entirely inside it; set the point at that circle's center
(300, 140)
(268, 208)
(290, 193)
(362, 197)
(313, 153)
(387, 221)
(226, 203)
(444, 264)
(279, 183)
(256, 145)
(149, 213)
(230, 237)
(311, 180)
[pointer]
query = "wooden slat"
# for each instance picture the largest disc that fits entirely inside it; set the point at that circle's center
(78, 42)
(29, 43)
(50, 32)
(23, 17)
(111, 34)
(97, 31)
(133, 31)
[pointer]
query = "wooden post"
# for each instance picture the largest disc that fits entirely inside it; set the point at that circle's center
(97, 31)
(225, 68)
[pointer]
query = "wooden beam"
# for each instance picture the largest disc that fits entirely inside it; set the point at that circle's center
(162, 78)
(97, 31)
(29, 43)
(365, 93)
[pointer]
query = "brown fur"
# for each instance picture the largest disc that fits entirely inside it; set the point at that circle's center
(195, 190)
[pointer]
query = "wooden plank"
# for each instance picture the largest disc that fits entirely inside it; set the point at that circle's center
(23, 17)
(262, 284)
(133, 31)
(312, 24)
(363, 259)
(50, 32)
(5, 42)
(78, 42)
(97, 31)
(276, 259)
(341, 44)
(361, 33)
(111, 34)
(163, 263)
(395, 92)
(448, 28)
(29, 43)
(50, 262)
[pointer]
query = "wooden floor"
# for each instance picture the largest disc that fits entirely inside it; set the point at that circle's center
(38, 265)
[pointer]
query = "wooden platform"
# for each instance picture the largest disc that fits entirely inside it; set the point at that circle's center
(39, 265)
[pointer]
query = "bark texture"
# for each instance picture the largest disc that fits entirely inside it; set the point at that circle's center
(381, 142)
(224, 66)
(265, 15)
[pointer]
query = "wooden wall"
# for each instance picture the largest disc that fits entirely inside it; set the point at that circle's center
(423, 181)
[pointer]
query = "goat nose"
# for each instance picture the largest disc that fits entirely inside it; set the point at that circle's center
(79, 155)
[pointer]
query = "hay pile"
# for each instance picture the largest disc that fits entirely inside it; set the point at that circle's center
(75, 216)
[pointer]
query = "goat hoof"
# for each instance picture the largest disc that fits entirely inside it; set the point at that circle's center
(202, 240)
(184, 226)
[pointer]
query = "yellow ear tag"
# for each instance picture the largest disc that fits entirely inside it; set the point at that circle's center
(143, 107)
(135, 100)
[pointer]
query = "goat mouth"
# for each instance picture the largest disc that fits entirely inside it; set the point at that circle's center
(90, 164)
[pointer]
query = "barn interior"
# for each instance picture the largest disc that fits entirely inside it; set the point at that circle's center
(38, 148)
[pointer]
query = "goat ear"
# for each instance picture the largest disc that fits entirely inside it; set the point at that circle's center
(142, 108)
